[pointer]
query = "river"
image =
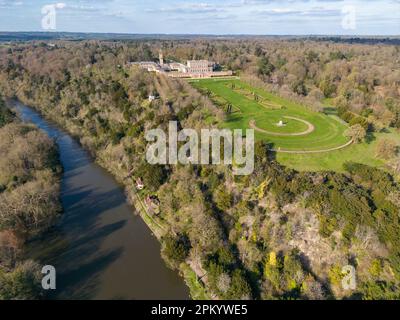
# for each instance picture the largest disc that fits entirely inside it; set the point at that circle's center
(100, 249)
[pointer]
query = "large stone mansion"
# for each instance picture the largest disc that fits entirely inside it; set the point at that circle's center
(192, 69)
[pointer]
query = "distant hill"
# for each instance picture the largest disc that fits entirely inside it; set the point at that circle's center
(46, 36)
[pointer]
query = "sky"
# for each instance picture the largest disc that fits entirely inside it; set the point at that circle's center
(259, 17)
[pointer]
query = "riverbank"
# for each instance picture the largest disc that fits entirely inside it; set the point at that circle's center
(100, 250)
(197, 289)
(30, 175)
(157, 229)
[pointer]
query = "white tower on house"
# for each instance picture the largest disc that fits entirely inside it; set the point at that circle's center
(161, 58)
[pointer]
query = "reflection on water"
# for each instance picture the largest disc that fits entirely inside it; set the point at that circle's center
(99, 248)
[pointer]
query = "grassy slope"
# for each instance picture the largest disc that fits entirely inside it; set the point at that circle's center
(363, 153)
(328, 133)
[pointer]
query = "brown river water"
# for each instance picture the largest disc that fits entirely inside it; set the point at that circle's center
(100, 249)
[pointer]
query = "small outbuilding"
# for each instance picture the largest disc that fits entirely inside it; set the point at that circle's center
(152, 204)
(139, 184)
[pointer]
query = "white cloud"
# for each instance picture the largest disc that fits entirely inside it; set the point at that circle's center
(208, 16)
(60, 5)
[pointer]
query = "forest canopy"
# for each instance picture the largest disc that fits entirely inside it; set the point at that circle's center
(29, 201)
(277, 233)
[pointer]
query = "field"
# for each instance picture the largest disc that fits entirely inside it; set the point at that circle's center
(307, 140)
(301, 130)
(362, 153)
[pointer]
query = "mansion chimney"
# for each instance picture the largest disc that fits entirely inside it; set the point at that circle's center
(161, 58)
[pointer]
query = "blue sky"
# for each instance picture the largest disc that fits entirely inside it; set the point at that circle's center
(208, 16)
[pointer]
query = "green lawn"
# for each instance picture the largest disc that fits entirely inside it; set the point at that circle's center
(362, 153)
(267, 111)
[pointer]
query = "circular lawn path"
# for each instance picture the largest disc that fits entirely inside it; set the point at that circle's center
(310, 128)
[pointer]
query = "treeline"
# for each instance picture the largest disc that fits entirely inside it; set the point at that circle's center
(29, 201)
(277, 233)
(362, 79)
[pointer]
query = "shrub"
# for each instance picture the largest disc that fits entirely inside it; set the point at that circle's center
(153, 175)
(23, 283)
(357, 133)
(176, 249)
(240, 288)
(223, 198)
(6, 115)
(386, 149)
(379, 290)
